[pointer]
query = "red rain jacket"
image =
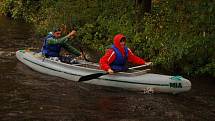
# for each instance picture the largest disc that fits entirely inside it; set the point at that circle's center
(110, 55)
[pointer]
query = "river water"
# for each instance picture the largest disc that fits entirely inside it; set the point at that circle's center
(26, 95)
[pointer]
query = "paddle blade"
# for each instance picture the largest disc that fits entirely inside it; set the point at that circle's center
(91, 76)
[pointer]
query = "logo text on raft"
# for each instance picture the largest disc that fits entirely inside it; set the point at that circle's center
(175, 85)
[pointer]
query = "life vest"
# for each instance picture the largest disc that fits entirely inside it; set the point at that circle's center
(119, 63)
(50, 50)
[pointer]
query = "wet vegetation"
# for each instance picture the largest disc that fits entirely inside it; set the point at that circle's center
(178, 36)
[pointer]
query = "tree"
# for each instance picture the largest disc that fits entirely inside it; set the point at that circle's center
(143, 5)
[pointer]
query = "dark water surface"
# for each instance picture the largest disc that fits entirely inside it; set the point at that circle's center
(26, 95)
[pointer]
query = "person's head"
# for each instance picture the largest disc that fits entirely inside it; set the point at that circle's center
(119, 40)
(122, 42)
(57, 33)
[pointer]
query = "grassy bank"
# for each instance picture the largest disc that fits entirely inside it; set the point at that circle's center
(178, 36)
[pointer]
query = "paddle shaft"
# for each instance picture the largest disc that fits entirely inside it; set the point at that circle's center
(135, 67)
(96, 75)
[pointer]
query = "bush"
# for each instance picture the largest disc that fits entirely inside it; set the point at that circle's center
(178, 36)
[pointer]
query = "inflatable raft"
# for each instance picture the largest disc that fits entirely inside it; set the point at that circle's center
(138, 80)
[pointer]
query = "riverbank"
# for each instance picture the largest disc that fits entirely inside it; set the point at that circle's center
(167, 35)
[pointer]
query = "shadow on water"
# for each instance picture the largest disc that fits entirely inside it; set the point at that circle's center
(32, 96)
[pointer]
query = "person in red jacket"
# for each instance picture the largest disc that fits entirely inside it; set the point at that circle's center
(118, 55)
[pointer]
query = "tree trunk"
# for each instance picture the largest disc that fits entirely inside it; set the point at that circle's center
(141, 6)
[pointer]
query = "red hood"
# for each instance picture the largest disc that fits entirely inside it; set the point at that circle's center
(116, 42)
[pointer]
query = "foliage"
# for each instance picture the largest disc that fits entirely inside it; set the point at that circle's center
(177, 36)
(20, 9)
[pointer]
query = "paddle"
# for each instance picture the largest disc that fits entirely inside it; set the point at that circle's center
(96, 75)
(84, 56)
(92, 76)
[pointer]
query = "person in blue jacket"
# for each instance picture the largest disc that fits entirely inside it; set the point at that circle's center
(53, 43)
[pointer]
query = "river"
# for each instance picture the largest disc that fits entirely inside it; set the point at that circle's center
(26, 95)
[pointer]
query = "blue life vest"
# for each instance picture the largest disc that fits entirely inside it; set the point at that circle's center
(119, 63)
(50, 50)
